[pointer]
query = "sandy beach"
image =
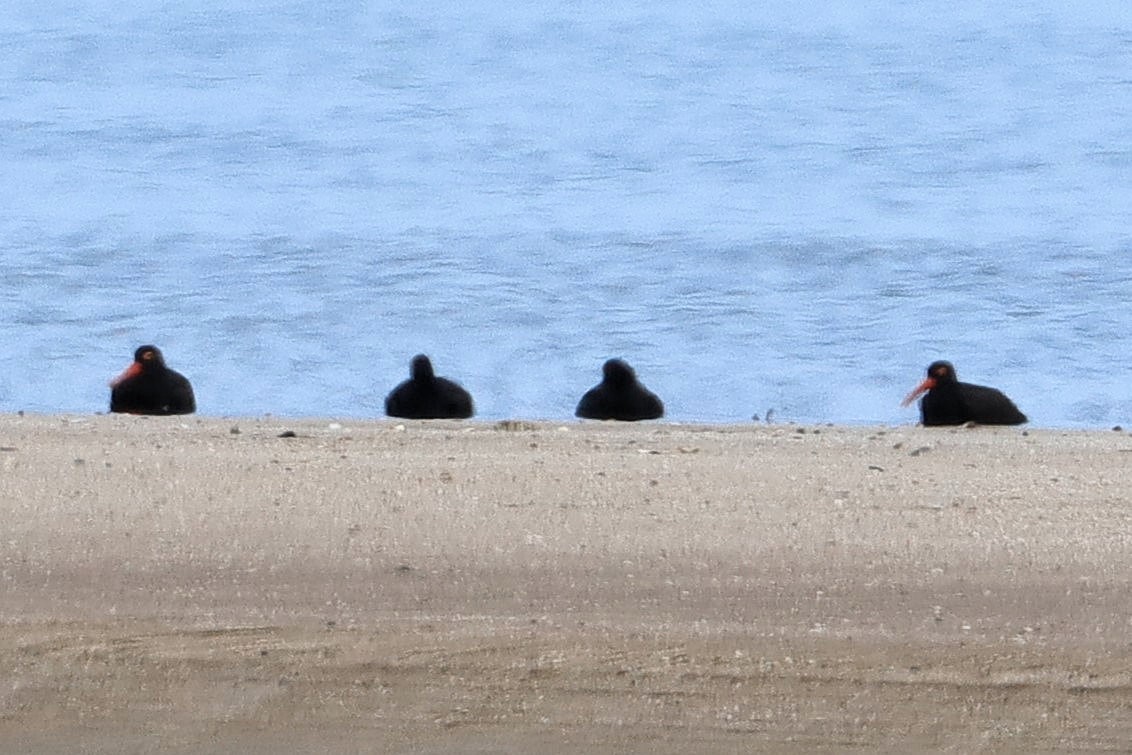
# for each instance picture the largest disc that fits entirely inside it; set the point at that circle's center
(204, 585)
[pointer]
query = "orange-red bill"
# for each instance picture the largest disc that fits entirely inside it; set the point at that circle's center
(133, 370)
(922, 388)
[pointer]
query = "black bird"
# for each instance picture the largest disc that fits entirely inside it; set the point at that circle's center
(619, 396)
(949, 402)
(426, 396)
(149, 387)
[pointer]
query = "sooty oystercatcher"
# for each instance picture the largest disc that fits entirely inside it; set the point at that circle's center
(149, 387)
(619, 396)
(950, 402)
(426, 396)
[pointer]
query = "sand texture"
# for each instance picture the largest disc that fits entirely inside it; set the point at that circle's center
(204, 585)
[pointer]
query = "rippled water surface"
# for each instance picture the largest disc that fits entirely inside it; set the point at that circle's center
(759, 209)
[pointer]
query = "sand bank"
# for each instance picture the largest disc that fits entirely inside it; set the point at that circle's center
(204, 585)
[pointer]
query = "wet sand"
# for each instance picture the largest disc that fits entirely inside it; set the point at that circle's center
(203, 585)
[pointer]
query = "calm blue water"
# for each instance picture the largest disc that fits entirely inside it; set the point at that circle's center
(758, 208)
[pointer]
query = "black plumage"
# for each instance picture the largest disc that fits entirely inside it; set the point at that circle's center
(950, 402)
(426, 396)
(148, 386)
(619, 396)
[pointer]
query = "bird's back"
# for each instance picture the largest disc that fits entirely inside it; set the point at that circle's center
(624, 403)
(959, 403)
(164, 392)
(438, 398)
(990, 406)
